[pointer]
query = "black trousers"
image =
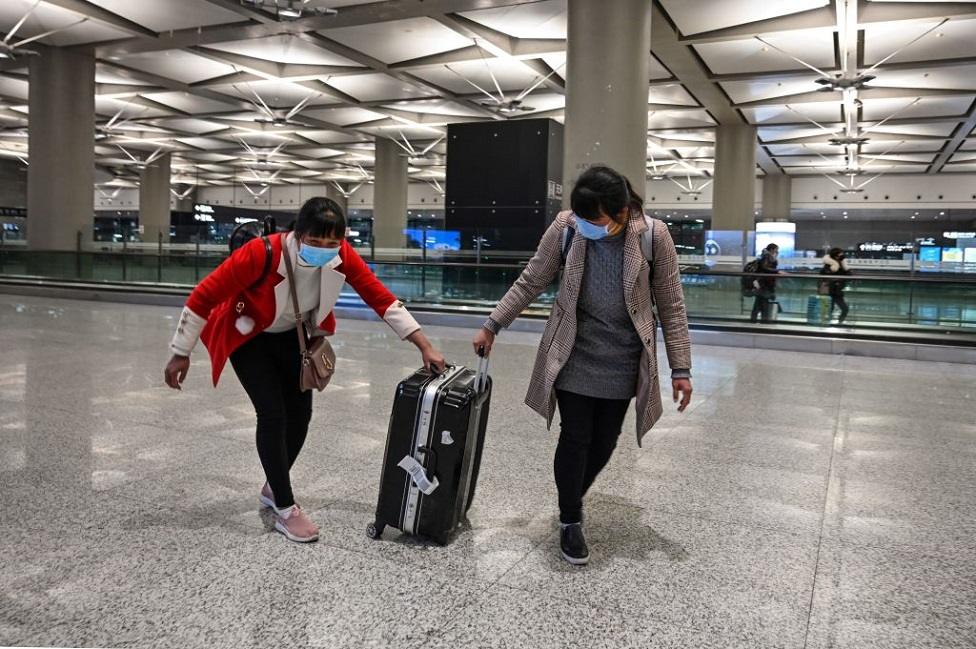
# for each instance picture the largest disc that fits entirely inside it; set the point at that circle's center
(837, 301)
(268, 367)
(763, 306)
(589, 431)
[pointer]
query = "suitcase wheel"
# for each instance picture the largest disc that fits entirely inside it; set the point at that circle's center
(375, 530)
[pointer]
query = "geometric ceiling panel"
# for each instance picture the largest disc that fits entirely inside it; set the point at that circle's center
(275, 93)
(957, 76)
(176, 64)
(538, 20)
(759, 89)
(376, 87)
(938, 129)
(188, 103)
(819, 112)
(968, 167)
(400, 40)
(189, 125)
(695, 16)
(672, 94)
(282, 49)
(174, 14)
(878, 109)
(815, 46)
(14, 88)
(344, 116)
(48, 17)
(952, 40)
(672, 119)
(462, 77)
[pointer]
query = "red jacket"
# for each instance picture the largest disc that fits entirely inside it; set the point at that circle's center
(232, 306)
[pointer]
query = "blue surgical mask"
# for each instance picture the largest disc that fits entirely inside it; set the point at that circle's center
(317, 256)
(589, 230)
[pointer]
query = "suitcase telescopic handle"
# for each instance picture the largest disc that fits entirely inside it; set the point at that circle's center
(481, 378)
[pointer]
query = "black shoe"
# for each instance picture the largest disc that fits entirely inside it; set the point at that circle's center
(573, 545)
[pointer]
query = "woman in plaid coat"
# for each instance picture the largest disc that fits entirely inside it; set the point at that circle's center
(599, 347)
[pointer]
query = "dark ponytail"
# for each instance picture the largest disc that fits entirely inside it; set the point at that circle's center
(601, 189)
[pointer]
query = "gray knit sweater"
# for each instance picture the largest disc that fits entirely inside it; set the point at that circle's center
(605, 360)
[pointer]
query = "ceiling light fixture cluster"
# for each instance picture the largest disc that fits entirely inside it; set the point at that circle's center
(849, 82)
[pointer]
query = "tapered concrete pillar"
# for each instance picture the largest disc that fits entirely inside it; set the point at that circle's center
(608, 49)
(777, 196)
(61, 176)
(154, 200)
(734, 196)
(389, 195)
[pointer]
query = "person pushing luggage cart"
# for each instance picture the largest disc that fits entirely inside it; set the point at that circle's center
(599, 347)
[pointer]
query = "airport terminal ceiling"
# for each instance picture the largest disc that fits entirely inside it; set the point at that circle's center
(252, 91)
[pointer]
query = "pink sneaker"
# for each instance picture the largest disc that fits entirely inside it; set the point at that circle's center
(296, 525)
(267, 497)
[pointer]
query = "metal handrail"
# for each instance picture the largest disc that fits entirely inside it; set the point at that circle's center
(926, 278)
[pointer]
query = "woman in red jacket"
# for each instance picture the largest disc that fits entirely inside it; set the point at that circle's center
(242, 313)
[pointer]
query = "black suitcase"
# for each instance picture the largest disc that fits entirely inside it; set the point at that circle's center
(433, 451)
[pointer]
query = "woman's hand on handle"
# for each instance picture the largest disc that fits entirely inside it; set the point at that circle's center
(176, 371)
(483, 338)
(433, 359)
(681, 387)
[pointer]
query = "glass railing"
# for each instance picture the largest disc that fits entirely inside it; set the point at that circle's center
(916, 302)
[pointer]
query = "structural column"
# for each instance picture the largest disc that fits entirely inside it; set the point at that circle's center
(389, 195)
(154, 200)
(734, 195)
(777, 196)
(61, 177)
(608, 51)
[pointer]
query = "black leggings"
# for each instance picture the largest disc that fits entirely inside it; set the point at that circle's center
(268, 367)
(837, 301)
(590, 428)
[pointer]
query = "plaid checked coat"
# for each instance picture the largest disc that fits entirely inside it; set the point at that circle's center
(559, 336)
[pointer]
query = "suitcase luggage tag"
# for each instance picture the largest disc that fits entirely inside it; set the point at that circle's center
(417, 474)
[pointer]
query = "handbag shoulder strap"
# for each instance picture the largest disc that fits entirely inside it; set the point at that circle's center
(299, 319)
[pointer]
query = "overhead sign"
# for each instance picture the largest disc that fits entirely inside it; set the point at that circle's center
(959, 235)
(203, 213)
(874, 246)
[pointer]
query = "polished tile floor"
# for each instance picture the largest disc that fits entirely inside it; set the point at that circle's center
(803, 501)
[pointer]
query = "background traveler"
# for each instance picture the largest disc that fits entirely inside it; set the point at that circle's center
(835, 264)
(765, 287)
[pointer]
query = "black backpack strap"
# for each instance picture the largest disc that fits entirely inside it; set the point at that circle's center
(569, 233)
(647, 245)
(268, 255)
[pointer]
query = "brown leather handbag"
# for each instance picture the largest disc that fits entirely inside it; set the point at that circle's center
(318, 357)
